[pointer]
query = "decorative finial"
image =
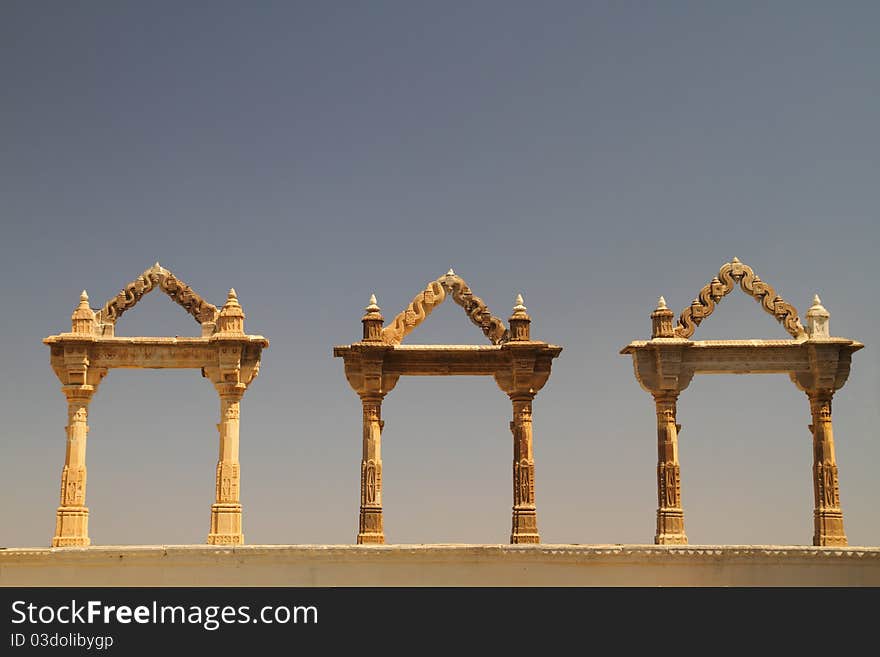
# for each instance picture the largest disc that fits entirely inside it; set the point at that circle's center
(83, 317)
(735, 260)
(818, 319)
(373, 306)
(231, 317)
(661, 321)
(520, 321)
(450, 272)
(83, 301)
(372, 321)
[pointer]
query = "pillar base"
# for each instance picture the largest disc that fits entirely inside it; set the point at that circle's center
(828, 524)
(371, 530)
(225, 539)
(525, 526)
(524, 538)
(225, 525)
(670, 539)
(377, 539)
(670, 527)
(71, 527)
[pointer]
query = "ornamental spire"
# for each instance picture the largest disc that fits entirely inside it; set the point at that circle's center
(372, 321)
(82, 320)
(520, 329)
(231, 318)
(818, 320)
(661, 321)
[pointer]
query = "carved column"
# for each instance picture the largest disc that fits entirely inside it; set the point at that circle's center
(72, 516)
(525, 514)
(670, 516)
(226, 510)
(827, 514)
(370, 528)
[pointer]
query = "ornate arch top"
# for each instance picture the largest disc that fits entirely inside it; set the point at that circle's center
(720, 286)
(156, 277)
(432, 296)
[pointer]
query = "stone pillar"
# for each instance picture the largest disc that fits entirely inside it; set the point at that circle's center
(525, 514)
(226, 510)
(827, 514)
(72, 516)
(370, 529)
(670, 516)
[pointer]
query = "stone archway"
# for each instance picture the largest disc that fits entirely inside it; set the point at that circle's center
(82, 358)
(519, 365)
(817, 363)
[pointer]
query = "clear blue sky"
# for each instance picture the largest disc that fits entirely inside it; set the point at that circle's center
(591, 155)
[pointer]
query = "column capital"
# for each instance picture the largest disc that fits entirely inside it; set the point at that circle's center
(230, 391)
(820, 395)
(78, 393)
(665, 396)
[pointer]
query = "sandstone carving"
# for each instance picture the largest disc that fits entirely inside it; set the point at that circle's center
(432, 296)
(720, 286)
(519, 365)
(225, 355)
(817, 364)
(156, 276)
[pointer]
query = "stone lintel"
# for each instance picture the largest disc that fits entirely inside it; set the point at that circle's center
(155, 352)
(446, 360)
(73, 338)
(739, 356)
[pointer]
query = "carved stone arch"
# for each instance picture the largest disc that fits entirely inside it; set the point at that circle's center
(816, 362)
(432, 296)
(224, 354)
(156, 277)
(519, 365)
(720, 286)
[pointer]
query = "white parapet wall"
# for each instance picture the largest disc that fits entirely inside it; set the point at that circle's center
(441, 565)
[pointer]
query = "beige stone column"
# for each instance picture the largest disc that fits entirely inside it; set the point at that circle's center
(370, 528)
(72, 516)
(525, 515)
(670, 516)
(226, 510)
(827, 514)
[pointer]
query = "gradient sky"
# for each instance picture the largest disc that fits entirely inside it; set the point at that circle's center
(591, 155)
